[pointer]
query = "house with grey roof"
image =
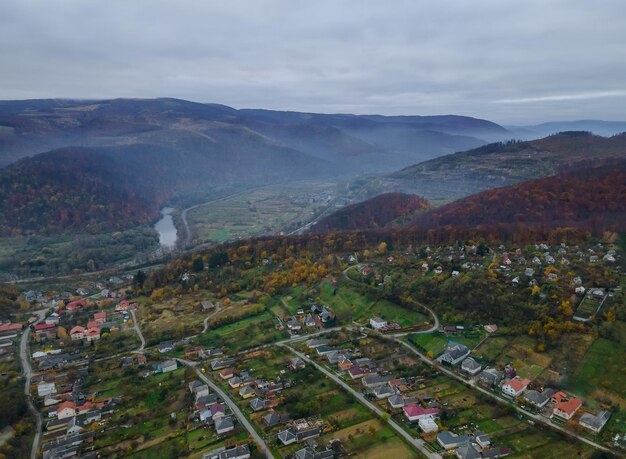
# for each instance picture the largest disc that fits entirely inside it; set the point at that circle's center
(224, 424)
(538, 399)
(383, 391)
(596, 422)
(454, 353)
(471, 366)
(490, 377)
(449, 440)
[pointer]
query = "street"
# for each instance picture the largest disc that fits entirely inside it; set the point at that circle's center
(28, 372)
(419, 444)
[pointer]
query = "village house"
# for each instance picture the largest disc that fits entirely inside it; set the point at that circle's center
(378, 323)
(100, 317)
(296, 364)
(77, 333)
(227, 373)
(167, 366)
(246, 392)
(427, 424)
(489, 377)
(223, 425)
(66, 410)
(92, 334)
(565, 409)
(514, 387)
(453, 354)
(375, 380)
(449, 440)
(53, 318)
(396, 401)
(293, 324)
(222, 363)
(471, 366)
(46, 388)
(538, 399)
(315, 343)
(166, 346)
(414, 412)
(596, 422)
(236, 452)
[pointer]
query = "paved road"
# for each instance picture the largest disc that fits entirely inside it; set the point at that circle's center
(419, 444)
(138, 330)
(28, 373)
(536, 417)
(235, 409)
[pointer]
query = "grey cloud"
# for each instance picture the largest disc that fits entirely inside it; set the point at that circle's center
(512, 62)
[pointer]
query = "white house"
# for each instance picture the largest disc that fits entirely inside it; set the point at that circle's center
(378, 322)
(46, 388)
(428, 424)
(514, 387)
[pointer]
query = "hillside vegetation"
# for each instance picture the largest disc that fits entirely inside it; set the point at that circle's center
(378, 212)
(499, 164)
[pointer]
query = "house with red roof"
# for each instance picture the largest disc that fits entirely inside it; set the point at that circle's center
(66, 410)
(46, 329)
(514, 387)
(100, 317)
(10, 329)
(75, 305)
(565, 409)
(414, 412)
(92, 334)
(77, 333)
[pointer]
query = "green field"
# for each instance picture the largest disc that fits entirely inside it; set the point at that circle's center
(350, 305)
(430, 342)
(264, 210)
(245, 333)
(602, 371)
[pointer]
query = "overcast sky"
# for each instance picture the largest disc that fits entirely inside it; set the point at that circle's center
(508, 61)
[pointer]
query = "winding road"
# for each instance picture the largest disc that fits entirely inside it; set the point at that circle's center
(417, 443)
(28, 373)
(235, 409)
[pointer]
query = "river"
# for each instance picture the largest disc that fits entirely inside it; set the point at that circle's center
(166, 229)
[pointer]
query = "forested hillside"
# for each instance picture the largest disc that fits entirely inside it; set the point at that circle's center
(499, 164)
(378, 212)
(590, 198)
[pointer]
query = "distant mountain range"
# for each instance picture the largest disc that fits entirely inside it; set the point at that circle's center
(450, 177)
(353, 144)
(73, 165)
(589, 199)
(597, 127)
